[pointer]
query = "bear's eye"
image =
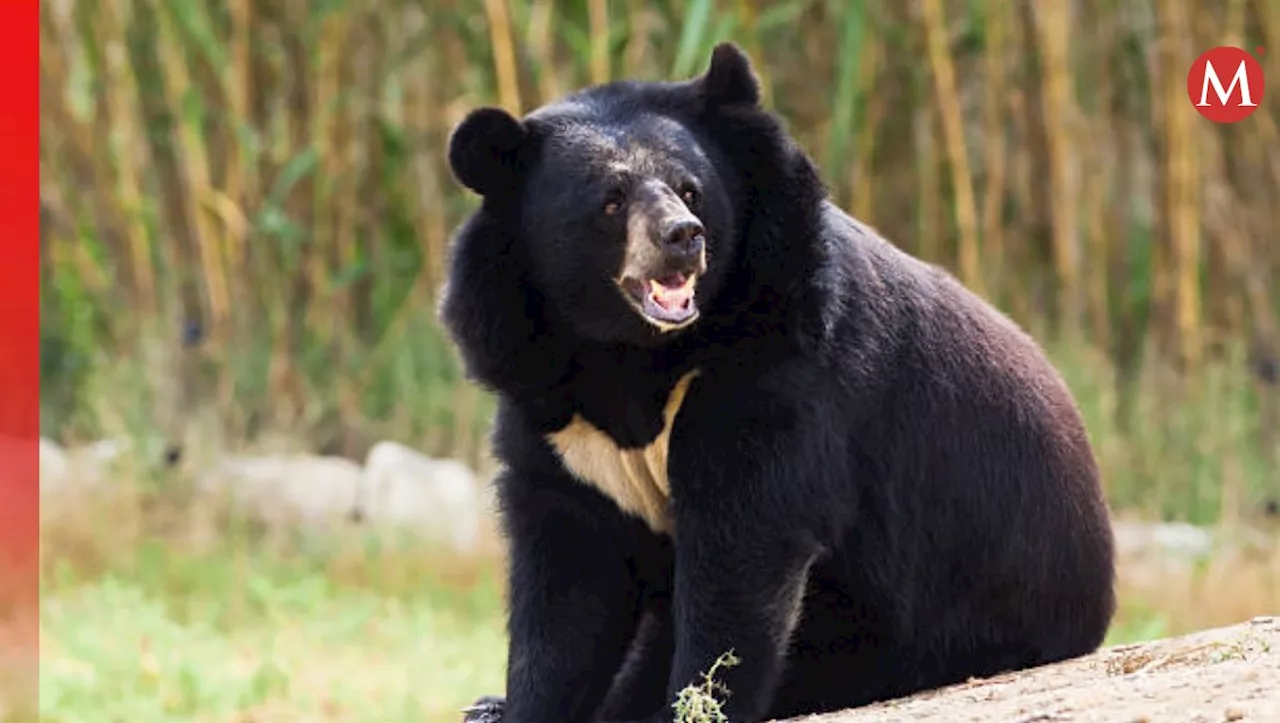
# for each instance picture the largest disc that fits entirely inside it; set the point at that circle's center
(689, 194)
(613, 203)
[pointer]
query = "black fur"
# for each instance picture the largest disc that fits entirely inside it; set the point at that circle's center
(859, 416)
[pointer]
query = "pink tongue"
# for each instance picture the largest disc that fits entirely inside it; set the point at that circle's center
(671, 298)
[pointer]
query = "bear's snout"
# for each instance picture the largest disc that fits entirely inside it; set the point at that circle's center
(683, 237)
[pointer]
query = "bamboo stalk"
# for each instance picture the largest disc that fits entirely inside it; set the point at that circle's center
(598, 18)
(994, 136)
(504, 54)
(433, 226)
(1100, 159)
(930, 207)
(1034, 255)
(113, 218)
(1181, 189)
(121, 94)
(950, 115)
(1052, 26)
(639, 27)
(894, 178)
(194, 167)
(1094, 203)
(90, 169)
(853, 50)
(326, 136)
(862, 183)
(74, 145)
(1126, 340)
(1225, 304)
(240, 185)
(540, 46)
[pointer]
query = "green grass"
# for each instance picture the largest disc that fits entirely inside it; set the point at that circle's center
(227, 635)
(1135, 622)
(701, 703)
(230, 635)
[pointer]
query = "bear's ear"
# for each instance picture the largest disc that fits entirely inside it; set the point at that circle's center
(729, 79)
(482, 150)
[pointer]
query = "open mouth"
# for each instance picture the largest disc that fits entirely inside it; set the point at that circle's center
(667, 301)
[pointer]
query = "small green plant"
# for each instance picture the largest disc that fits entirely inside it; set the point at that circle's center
(698, 703)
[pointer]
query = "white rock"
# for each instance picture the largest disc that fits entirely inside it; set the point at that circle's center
(104, 451)
(54, 466)
(1177, 540)
(287, 490)
(78, 468)
(437, 499)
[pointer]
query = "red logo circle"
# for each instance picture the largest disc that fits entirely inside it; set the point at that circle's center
(1226, 84)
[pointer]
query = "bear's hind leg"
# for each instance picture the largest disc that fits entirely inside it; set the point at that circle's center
(640, 689)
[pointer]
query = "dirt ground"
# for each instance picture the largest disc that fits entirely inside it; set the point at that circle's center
(1223, 674)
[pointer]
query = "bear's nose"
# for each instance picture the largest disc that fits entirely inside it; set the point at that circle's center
(684, 237)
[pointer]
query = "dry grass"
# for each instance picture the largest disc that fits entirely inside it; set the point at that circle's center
(146, 616)
(153, 609)
(1234, 584)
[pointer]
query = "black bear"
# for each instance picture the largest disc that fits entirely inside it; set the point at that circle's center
(732, 419)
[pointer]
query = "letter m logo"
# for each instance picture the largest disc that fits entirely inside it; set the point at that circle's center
(1234, 100)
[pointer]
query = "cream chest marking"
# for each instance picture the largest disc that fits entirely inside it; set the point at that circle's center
(635, 479)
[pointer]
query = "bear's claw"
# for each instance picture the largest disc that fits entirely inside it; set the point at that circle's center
(486, 709)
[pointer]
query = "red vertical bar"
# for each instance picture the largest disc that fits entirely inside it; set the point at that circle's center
(19, 352)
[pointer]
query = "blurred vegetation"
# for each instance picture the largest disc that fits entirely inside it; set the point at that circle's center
(155, 611)
(246, 204)
(145, 629)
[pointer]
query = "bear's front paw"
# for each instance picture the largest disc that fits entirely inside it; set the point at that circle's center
(486, 709)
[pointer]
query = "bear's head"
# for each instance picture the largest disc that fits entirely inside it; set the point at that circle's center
(619, 201)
